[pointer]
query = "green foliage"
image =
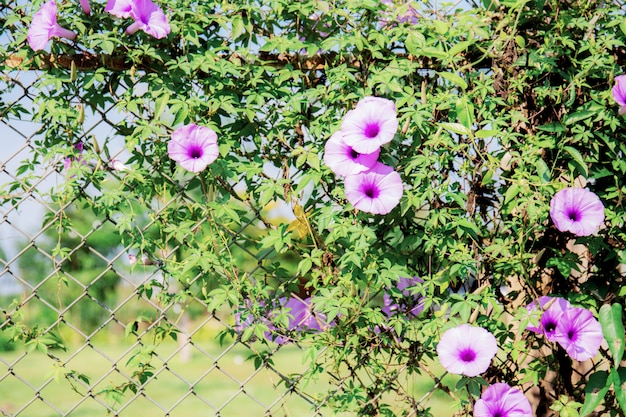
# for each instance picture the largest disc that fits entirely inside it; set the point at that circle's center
(500, 105)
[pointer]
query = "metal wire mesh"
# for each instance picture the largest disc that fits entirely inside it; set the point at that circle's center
(201, 372)
(194, 375)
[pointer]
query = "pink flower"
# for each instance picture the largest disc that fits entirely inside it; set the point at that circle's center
(147, 16)
(619, 93)
(371, 124)
(579, 333)
(343, 160)
(467, 350)
(375, 191)
(119, 8)
(576, 210)
(193, 147)
(500, 400)
(550, 316)
(409, 304)
(144, 260)
(119, 166)
(44, 26)
(84, 4)
(301, 318)
(410, 16)
(67, 162)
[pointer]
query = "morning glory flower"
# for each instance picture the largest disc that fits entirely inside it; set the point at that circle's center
(376, 191)
(411, 305)
(119, 166)
(371, 124)
(619, 93)
(142, 260)
(552, 308)
(193, 147)
(410, 16)
(147, 16)
(84, 4)
(78, 148)
(343, 160)
(467, 350)
(576, 210)
(579, 333)
(44, 26)
(119, 8)
(501, 400)
(301, 318)
(150, 18)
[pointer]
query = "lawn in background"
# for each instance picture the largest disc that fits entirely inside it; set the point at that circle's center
(181, 388)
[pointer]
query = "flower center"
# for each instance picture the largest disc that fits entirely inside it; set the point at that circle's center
(194, 152)
(571, 335)
(467, 355)
(499, 414)
(353, 154)
(372, 130)
(573, 215)
(371, 191)
(549, 326)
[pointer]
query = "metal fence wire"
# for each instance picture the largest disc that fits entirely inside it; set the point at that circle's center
(106, 329)
(92, 322)
(104, 311)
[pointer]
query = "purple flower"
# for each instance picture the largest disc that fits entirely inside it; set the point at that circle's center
(84, 4)
(579, 333)
(244, 317)
(467, 350)
(193, 147)
(44, 26)
(411, 305)
(619, 93)
(147, 16)
(410, 16)
(343, 160)
(301, 318)
(78, 147)
(550, 316)
(375, 191)
(144, 260)
(119, 8)
(501, 400)
(371, 124)
(576, 210)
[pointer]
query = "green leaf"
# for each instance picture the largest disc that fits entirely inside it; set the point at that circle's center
(414, 42)
(619, 385)
(613, 330)
(542, 170)
(511, 193)
(454, 79)
(485, 133)
(456, 128)
(563, 265)
(161, 104)
(578, 160)
(579, 116)
(595, 390)
(555, 127)
(460, 47)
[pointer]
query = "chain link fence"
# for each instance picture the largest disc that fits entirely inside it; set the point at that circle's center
(107, 332)
(92, 320)
(102, 312)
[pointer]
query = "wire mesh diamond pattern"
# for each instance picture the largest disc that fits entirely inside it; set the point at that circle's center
(102, 312)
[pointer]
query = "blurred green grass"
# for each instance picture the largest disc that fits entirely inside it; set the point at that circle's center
(211, 383)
